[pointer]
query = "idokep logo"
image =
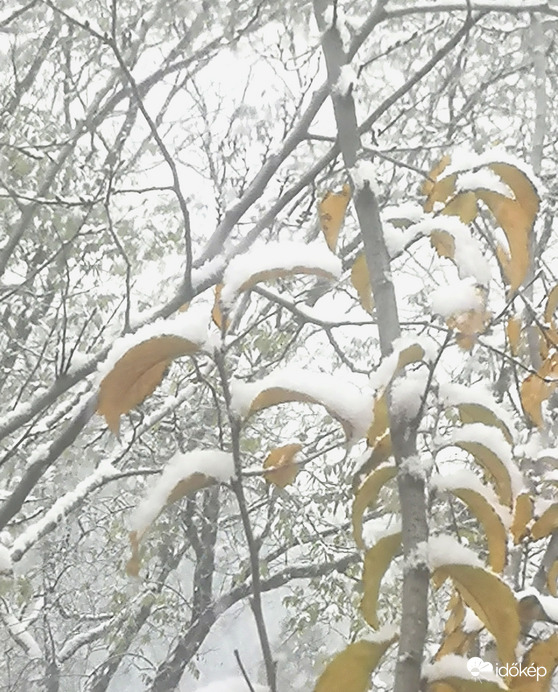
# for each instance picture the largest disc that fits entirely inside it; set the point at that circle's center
(476, 666)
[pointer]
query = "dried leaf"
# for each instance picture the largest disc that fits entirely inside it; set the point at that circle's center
(376, 563)
(351, 669)
(282, 461)
(332, 210)
(137, 374)
(361, 281)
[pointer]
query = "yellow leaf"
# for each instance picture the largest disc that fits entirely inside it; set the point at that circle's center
(351, 669)
(513, 331)
(367, 495)
(380, 453)
(281, 460)
(494, 529)
(332, 210)
(439, 168)
(523, 513)
(477, 413)
(216, 313)
(380, 421)
(361, 281)
(376, 563)
(546, 523)
(134, 563)
(457, 643)
(552, 579)
(493, 465)
(137, 374)
(492, 601)
(535, 389)
(468, 325)
(184, 307)
(281, 273)
(463, 205)
(457, 613)
(273, 396)
(542, 655)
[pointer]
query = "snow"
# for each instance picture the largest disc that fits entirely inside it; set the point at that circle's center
(190, 325)
(347, 79)
(374, 530)
(211, 462)
(406, 210)
(18, 630)
(463, 159)
(471, 623)
(456, 297)
(5, 560)
(384, 634)
(457, 666)
(61, 508)
(276, 256)
(342, 23)
(454, 394)
(232, 685)
(493, 439)
(387, 369)
(464, 478)
(407, 393)
(341, 397)
(485, 179)
(549, 603)
(446, 550)
(363, 174)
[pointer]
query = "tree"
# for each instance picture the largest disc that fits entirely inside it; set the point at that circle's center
(108, 283)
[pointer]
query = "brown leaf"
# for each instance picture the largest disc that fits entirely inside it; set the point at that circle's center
(281, 460)
(137, 374)
(332, 210)
(367, 495)
(542, 655)
(552, 579)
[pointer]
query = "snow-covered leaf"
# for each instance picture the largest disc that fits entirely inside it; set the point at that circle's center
(274, 261)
